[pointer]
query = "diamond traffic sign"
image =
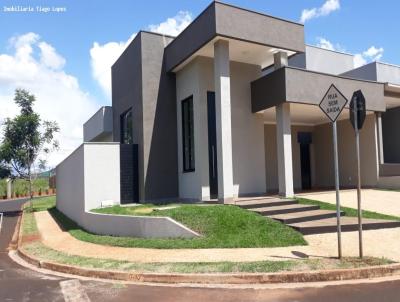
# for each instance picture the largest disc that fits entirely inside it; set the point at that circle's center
(357, 104)
(333, 103)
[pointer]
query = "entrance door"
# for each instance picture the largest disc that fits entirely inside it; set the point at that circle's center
(305, 139)
(212, 145)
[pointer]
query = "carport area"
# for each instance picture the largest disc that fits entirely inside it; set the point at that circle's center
(375, 200)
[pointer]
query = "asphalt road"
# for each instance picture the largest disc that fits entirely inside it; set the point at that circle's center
(18, 283)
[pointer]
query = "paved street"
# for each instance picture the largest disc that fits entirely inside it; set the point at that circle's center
(21, 284)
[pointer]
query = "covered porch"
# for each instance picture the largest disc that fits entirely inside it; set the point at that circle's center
(298, 136)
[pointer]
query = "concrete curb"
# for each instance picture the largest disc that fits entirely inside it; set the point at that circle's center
(15, 240)
(214, 278)
(220, 278)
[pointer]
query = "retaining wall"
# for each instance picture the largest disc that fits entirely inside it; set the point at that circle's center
(89, 177)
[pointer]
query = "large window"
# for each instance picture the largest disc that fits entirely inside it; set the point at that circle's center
(188, 135)
(126, 127)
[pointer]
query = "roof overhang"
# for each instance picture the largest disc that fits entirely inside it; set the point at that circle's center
(251, 34)
(392, 95)
(294, 85)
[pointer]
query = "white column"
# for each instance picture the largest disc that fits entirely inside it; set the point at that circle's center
(280, 60)
(379, 137)
(284, 145)
(9, 182)
(223, 121)
(284, 138)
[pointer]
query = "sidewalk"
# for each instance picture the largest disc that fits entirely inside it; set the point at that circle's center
(379, 243)
(381, 201)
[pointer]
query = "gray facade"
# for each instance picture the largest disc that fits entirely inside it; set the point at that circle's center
(99, 128)
(228, 51)
(140, 82)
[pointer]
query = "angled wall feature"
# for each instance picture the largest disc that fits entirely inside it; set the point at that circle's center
(140, 82)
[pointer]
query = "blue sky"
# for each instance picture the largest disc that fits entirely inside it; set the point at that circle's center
(349, 25)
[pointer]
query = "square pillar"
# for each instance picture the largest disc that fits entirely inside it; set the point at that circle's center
(280, 60)
(284, 138)
(381, 158)
(284, 146)
(223, 121)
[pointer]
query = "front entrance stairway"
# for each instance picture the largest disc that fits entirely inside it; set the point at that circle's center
(308, 219)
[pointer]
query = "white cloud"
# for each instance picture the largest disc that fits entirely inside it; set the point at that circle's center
(36, 66)
(49, 57)
(374, 53)
(359, 60)
(328, 7)
(370, 55)
(173, 26)
(103, 56)
(326, 44)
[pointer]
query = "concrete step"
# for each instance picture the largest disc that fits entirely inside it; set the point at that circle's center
(264, 202)
(283, 209)
(348, 224)
(304, 216)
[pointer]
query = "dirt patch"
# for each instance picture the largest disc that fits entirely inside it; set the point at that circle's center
(30, 238)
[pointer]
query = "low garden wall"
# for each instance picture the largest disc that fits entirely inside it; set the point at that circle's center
(90, 176)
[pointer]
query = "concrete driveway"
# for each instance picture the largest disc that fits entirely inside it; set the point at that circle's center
(381, 201)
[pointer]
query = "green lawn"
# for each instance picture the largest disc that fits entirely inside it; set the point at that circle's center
(41, 204)
(39, 250)
(221, 226)
(350, 212)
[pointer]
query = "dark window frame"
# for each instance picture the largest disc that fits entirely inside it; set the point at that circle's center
(188, 135)
(124, 124)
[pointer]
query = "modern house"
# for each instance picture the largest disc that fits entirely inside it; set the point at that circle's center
(228, 108)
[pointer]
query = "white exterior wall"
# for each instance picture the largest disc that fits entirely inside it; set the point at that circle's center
(247, 129)
(102, 174)
(70, 185)
(388, 73)
(89, 176)
(323, 60)
(187, 84)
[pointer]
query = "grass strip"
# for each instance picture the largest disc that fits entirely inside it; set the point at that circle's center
(42, 252)
(350, 212)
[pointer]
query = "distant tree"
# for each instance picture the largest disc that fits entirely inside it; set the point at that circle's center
(25, 138)
(4, 171)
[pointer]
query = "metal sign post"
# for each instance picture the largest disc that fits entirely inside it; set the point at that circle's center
(332, 105)
(336, 164)
(357, 117)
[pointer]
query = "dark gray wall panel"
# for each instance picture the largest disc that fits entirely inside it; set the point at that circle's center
(259, 28)
(301, 86)
(309, 88)
(224, 20)
(126, 74)
(268, 90)
(198, 33)
(391, 135)
(159, 121)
